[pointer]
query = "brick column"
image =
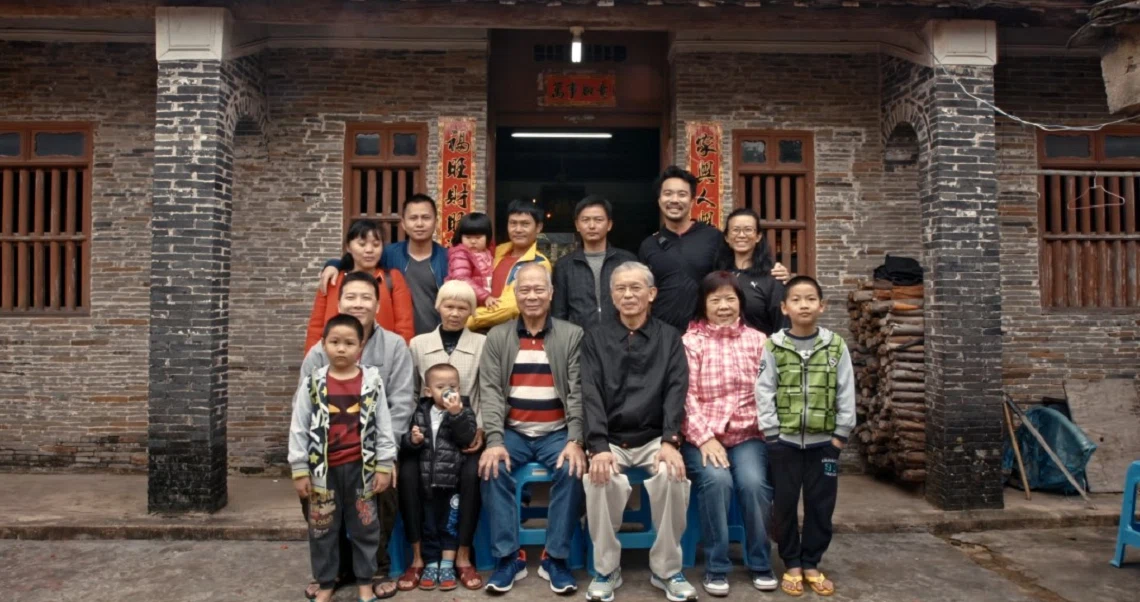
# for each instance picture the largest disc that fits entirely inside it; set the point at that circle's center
(963, 307)
(190, 270)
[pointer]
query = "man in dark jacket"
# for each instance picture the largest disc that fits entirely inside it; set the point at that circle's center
(582, 278)
(442, 427)
(682, 252)
(634, 381)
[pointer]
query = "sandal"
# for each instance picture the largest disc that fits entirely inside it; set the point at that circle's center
(378, 589)
(410, 579)
(430, 579)
(447, 580)
(312, 589)
(469, 578)
(816, 584)
(794, 580)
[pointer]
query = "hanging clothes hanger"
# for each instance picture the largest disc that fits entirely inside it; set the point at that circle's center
(1120, 201)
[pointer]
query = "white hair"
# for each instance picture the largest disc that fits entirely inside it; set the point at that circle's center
(531, 265)
(635, 266)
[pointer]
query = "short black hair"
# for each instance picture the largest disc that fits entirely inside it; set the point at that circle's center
(474, 224)
(798, 280)
(360, 277)
(594, 200)
(711, 284)
(437, 369)
(675, 172)
(519, 206)
(419, 197)
(344, 320)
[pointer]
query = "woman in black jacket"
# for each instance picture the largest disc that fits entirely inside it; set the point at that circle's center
(443, 425)
(746, 254)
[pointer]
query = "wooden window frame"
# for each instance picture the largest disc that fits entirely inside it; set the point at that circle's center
(26, 161)
(773, 167)
(385, 160)
(1050, 186)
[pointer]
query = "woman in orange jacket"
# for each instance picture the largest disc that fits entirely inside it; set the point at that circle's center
(363, 248)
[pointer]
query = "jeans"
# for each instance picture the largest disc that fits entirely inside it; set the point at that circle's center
(565, 495)
(747, 476)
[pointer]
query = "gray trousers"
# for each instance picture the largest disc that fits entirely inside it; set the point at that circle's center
(668, 501)
(344, 503)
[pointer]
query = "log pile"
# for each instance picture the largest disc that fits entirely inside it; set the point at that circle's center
(887, 353)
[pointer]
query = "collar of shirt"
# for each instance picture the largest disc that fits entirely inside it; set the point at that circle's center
(647, 330)
(524, 333)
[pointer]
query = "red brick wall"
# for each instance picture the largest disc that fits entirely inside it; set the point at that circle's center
(837, 98)
(288, 207)
(73, 390)
(1041, 349)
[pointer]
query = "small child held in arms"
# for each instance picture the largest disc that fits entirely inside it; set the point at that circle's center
(341, 451)
(442, 427)
(471, 257)
(805, 396)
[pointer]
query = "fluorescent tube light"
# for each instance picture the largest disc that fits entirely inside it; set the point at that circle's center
(596, 135)
(576, 45)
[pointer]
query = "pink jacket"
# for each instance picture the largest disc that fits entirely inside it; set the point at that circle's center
(723, 363)
(473, 268)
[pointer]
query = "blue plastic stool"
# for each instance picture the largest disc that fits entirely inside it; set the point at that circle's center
(400, 551)
(529, 536)
(643, 515)
(691, 539)
(1129, 532)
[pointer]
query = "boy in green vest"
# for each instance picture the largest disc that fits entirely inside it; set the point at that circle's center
(805, 396)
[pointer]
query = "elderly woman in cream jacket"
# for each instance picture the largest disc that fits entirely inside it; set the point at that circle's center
(450, 343)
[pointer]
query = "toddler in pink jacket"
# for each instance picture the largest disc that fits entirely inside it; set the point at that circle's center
(471, 257)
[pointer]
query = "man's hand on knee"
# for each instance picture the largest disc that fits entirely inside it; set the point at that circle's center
(489, 462)
(602, 468)
(674, 464)
(574, 458)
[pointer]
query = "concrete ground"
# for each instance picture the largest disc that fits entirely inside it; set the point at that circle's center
(1061, 565)
(39, 506)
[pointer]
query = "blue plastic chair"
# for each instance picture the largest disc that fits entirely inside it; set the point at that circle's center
(643, 515)
(529, 536)
(691, 539)
(1129, 532)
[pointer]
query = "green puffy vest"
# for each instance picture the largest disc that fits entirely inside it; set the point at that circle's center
(806, 391)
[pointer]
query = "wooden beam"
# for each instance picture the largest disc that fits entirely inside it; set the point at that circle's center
(539, 15)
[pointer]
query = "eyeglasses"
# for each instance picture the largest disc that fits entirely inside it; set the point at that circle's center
(748, 231)
(622, 289)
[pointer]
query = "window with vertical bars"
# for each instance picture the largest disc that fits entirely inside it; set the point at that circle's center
(773, 175)
(1088, 224)
(384, 165)
(45, 218)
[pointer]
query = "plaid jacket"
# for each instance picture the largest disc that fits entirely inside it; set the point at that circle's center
(723, 363)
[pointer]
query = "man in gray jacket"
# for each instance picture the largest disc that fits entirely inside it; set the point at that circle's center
(387, 351)
(532, 412)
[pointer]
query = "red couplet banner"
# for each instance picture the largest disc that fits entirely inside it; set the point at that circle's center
(705, 162)
(456, 174)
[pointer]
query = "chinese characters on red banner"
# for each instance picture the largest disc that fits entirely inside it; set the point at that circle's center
(704, 162)
(577, 90)
(456, 174)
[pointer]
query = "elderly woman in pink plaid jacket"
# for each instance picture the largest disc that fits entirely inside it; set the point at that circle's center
(724, 449)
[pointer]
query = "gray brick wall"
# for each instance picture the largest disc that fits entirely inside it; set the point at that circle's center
(1042, 349)
(74, 389)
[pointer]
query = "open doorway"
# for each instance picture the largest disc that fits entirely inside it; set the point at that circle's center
(557, 167)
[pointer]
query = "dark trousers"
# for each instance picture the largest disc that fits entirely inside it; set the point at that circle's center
(386, 506)
(413, 506)
(437, 538)
(814, 470)
(343, 504)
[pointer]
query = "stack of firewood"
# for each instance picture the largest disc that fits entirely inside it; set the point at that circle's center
(887, 352)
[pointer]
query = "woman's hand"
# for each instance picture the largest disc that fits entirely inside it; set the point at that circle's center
(712, 452)
(491, 303)
(781, 273)
(476, 443)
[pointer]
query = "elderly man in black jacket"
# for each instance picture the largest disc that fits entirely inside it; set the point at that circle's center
(582, 278)
(634, 381)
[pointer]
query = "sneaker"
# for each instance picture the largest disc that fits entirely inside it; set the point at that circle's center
(716, 584)
(676, 588)
(765, 582)
(510, 569)
(430, 578)
(602, 587)
(558, 574)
